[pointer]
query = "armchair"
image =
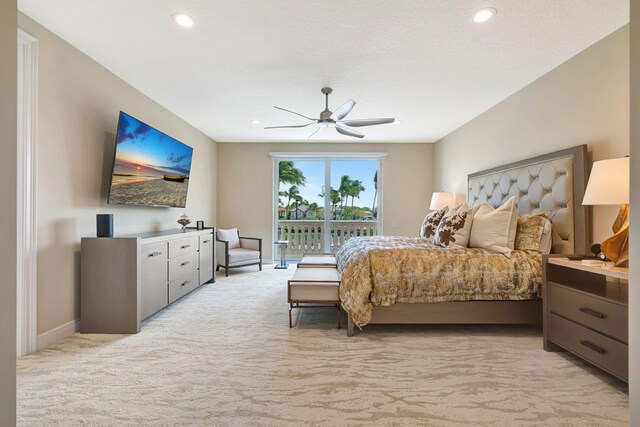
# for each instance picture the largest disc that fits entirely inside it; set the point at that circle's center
(235, 251)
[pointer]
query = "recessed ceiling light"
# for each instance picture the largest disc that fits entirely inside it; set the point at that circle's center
(256, 122)
(183, 20)
(483, 15)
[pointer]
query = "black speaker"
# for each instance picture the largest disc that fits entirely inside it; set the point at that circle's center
(104, 225)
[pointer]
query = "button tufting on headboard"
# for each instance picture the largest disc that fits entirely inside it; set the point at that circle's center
(545, 185)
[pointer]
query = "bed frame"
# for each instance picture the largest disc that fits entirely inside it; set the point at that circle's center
(554, 182)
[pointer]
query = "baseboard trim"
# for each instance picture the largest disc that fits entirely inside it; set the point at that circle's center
(56, 334)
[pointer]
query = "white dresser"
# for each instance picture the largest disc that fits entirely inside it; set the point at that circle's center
(127, 279)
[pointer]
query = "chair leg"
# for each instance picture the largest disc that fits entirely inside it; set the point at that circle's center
(339, 316)
(218, 267)
(226, 271)
(260, 266)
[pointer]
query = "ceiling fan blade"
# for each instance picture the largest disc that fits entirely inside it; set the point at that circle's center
(293, 112)
(343, 110)
(287, 127)
(349, 132)
(366, 122)
(313, 135)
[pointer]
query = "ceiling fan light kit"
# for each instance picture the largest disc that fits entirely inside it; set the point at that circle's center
(334, 119)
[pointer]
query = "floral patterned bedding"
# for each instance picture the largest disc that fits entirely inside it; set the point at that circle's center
(381, 271)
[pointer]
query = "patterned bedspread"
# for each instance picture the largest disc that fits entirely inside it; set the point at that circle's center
(381, 271)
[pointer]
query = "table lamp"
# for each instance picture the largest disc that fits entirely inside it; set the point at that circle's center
(440, 199)
(609, 185)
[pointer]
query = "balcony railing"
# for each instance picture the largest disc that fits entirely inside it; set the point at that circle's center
(307, 236)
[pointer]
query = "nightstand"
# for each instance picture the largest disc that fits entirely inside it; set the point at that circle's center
(586, 312)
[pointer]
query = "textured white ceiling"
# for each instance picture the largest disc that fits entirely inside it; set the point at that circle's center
(421, 61)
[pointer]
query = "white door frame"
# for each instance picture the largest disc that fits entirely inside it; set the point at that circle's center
(27, 249)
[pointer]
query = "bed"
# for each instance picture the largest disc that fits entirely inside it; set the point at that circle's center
(404, 280)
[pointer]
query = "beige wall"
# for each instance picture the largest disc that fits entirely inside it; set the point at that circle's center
(634, 291)
(583, 101)
(8, 108)
(78, 111)
(245, 185)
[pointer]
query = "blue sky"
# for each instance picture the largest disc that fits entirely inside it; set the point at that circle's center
(364, 170)
(140, 144)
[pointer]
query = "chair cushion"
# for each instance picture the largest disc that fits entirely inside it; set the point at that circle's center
(240, 255)
(231, 236)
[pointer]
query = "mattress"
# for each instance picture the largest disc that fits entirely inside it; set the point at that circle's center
(382, 270)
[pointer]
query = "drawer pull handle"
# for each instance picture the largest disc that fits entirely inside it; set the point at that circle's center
(152, 254)
(185, 246)
(185, 263)
(592, 312)
(185, 283)
(592, 346)
(206, 241)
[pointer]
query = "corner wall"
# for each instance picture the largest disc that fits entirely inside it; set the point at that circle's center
(634, 228)
(583, 101)
(245, 185)
(8, 194)
(79, 102)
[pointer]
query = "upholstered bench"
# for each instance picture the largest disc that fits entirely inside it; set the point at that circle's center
(314, 287)
(317, 260)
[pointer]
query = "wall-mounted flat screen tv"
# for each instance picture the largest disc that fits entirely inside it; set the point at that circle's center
(150, 167)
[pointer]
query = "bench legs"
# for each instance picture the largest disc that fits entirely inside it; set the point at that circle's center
(293, 305)
(290, 322)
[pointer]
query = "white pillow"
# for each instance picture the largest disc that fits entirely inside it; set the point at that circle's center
(230, 236)
(495, 229)
(546, 241)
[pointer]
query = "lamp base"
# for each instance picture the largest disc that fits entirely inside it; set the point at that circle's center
(616, 247)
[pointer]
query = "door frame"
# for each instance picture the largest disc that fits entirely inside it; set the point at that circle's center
(27, 249)
(327, 158)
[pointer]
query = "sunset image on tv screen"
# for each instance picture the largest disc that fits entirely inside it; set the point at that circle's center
(150, 167)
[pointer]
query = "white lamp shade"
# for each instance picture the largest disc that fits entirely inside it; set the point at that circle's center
(608, 183)
(440, 199)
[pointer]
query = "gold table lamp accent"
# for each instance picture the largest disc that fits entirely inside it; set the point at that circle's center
(609, 185)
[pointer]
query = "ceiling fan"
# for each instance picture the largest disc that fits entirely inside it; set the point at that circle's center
(334, 119)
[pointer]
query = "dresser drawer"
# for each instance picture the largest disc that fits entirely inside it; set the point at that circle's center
(183, 286)
(182, 265)
(603, 316)
(607, 353)
(153, 268)
(206, 258)
(180, 247)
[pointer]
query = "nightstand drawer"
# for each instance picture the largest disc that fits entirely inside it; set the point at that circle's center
(603, 316)
(605, 352)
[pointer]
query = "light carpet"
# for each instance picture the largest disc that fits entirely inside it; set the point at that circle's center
(224, 355)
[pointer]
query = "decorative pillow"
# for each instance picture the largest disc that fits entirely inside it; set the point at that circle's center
(495, 229)
(460, 208)
(431, 222)
(530, 229)
(230, 236)
(453, 231)
(546, 241)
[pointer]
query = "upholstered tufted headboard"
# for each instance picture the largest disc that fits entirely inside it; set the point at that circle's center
(553, 182)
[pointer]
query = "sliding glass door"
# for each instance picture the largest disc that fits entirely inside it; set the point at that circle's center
(320, 203)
